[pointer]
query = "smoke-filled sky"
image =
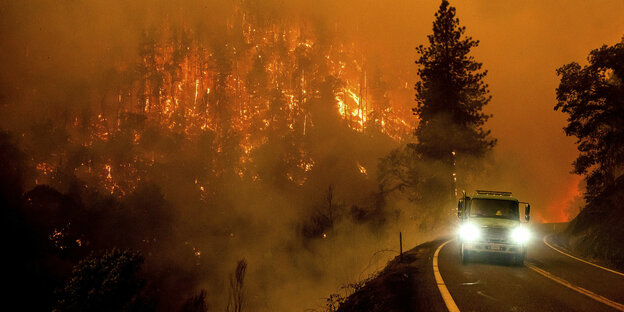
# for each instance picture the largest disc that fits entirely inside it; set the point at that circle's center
(68, 60)
(522, 43)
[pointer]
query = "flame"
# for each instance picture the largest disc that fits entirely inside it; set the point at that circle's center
(361, 168)
(180, 85)
(109, 176)
(45, 168)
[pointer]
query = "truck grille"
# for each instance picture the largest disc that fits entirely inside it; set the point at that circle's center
(495, 235)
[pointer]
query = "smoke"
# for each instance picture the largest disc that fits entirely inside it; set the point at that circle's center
(70, 74)
(193, 202)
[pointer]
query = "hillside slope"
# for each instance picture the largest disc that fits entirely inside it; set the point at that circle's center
(597, 232)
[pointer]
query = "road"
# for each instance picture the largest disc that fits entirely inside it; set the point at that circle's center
(549, 281)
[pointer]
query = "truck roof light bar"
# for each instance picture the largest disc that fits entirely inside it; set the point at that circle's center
(496, 193)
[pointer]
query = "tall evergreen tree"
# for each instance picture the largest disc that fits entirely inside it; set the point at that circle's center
(451, 93)
(450, 97)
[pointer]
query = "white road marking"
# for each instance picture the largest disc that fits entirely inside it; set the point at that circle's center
(452, 306)
(446, 295)
(579, 259)
(578, 289)
(487, 296)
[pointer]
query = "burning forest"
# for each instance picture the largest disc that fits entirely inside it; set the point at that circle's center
(247, 155)
(258, 142)
(258, 85)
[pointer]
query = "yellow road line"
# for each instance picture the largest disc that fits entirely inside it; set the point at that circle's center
(446, 295)
(579, 259)
(581, 290)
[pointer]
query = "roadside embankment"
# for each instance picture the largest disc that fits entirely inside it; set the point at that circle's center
(406, 285)
(597, 233)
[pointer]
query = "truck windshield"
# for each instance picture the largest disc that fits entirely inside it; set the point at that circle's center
(494, 208)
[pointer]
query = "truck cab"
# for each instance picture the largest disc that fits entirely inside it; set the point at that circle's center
(490, 224)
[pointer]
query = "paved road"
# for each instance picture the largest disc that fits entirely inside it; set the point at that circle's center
(493, 285)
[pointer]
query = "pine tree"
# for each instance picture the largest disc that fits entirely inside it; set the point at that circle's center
(451, 93)
(450, 98)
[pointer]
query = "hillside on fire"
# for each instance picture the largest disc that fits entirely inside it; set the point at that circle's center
(202, 167)
(247, 155)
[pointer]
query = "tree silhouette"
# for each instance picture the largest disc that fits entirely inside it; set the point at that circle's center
(451, 91)
(593, 98)
(236, 298)
(196, 303)
(450, 97)
(380, 103)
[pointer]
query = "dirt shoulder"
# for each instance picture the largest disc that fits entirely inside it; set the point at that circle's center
(401, 286)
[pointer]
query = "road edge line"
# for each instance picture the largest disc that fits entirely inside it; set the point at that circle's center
(579, 259)
(599, 298)
(446, 295)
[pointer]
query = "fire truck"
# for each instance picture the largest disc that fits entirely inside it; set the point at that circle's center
(490, 224)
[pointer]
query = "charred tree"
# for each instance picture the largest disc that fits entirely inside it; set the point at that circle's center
(236, 298)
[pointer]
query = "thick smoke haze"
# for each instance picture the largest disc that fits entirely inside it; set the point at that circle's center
(58, 43)
(62, 59)
(522, 44)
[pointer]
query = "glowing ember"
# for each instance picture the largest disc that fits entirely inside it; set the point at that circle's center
(45, 168)
(361, 168)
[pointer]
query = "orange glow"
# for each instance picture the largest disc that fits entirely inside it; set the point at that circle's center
(558, 208)
(182, 101)
(361, 168)
(45, 168)
(182, 90)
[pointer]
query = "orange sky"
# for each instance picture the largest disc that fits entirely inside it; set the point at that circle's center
(522, 43)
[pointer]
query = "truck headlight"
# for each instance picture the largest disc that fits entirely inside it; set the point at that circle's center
(520, 235)
(469, 232)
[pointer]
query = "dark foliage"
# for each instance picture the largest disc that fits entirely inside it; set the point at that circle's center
(450, 136)
(27, 264)
(236, 299)
(106, 283)
(450, 97)
(596, 233)
(593, 98)
(12, 169)
(196, 303)
(451, 93)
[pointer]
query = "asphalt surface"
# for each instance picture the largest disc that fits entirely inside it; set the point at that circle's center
(492, 284)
